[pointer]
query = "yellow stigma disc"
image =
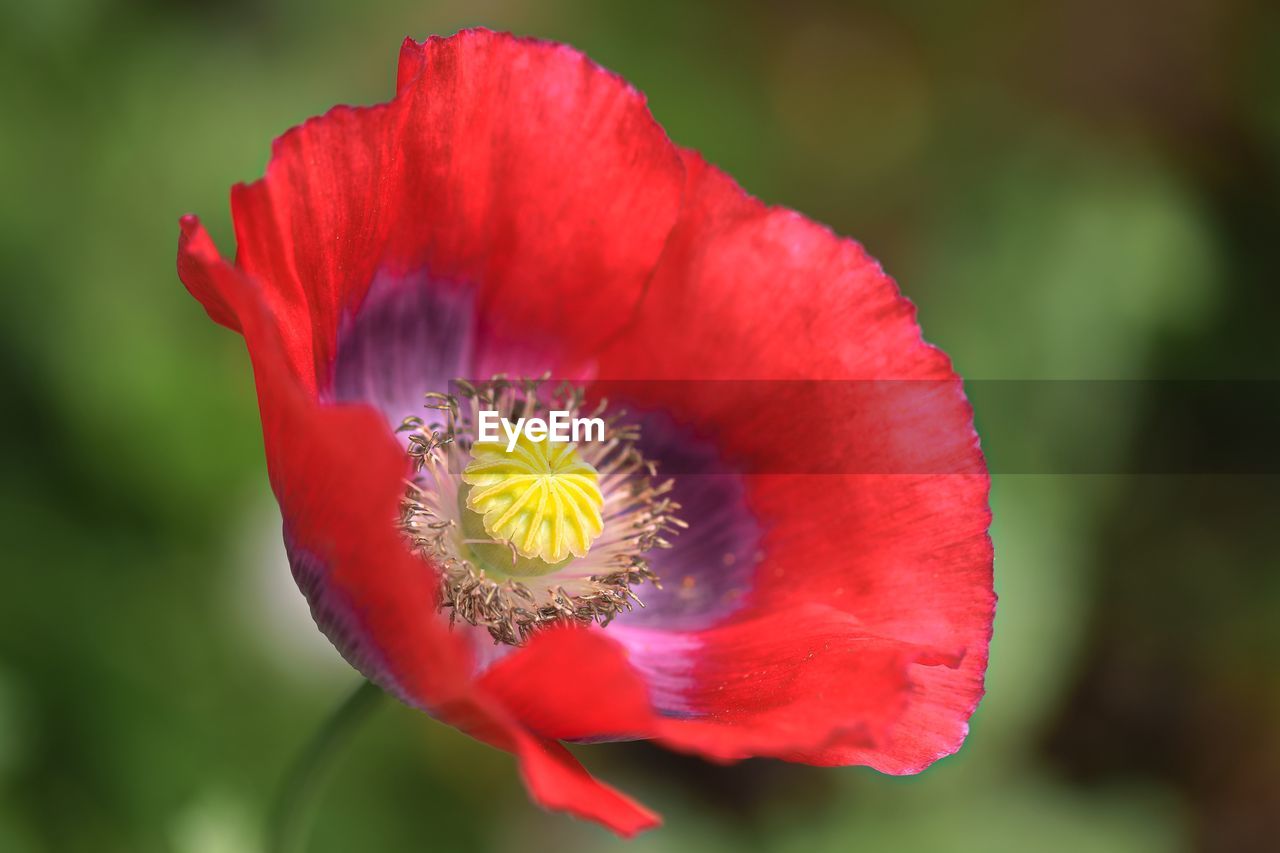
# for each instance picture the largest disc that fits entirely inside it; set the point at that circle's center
(541, 497)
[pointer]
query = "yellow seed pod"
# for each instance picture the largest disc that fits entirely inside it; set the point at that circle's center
(541, 497)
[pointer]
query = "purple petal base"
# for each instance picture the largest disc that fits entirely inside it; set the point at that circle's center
(707, 572)
(409, 336)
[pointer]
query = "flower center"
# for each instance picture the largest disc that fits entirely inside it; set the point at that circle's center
(528, 532)
(540, 497)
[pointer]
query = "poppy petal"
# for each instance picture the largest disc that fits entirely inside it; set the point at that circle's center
(573, 684)
(784, 685)
(512, 166)
(557, 781)
(890, 524)
(791, 683)
(337, 473)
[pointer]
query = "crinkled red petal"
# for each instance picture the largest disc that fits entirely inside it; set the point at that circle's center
(786, 684)
(337, 473)
(515, 166)
(893, 531)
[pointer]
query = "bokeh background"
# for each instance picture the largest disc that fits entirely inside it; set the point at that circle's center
(1083, 190)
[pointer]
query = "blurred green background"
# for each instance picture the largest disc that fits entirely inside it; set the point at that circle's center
(1076, 190)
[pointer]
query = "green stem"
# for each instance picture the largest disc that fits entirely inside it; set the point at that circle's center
(295, 806)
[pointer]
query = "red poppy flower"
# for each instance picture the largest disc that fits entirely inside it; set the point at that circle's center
(515, 210)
